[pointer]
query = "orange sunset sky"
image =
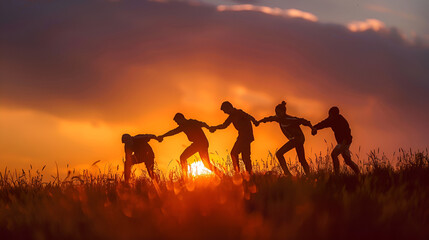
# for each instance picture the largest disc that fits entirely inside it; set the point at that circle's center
(76, 75)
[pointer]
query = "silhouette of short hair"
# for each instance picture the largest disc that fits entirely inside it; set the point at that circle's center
(125, 137)
(178, 116)
(334, 111)
(281, 108)
(226, 105)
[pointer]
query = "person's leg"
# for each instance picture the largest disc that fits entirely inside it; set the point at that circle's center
(348, 160)
(279, 154)
(234, 157)
(127, 169)
(334, 155)
(245, 154)
(150, 162)
(301, 157)
(189, 151)
(204, 154)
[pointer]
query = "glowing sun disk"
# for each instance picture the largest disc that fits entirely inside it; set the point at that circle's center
(198, 169)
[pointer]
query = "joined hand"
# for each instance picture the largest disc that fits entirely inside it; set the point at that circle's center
(313, 131)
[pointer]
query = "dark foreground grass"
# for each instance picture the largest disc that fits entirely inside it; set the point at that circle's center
(385, 202)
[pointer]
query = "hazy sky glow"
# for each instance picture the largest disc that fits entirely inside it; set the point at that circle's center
(75, 75)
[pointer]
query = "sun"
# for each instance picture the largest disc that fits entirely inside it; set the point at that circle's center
(198, 169)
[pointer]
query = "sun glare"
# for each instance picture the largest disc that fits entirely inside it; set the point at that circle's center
(198, 169)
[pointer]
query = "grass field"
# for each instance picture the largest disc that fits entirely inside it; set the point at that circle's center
(387, 201)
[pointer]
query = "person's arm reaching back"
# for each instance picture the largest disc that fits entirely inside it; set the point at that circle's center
(305, 122)
(255, 122)
(269, 119)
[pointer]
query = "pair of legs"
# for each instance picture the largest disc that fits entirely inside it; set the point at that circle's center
(343, 149)
(299, 147)
(243, 147)
(136, 159)
(203, 150)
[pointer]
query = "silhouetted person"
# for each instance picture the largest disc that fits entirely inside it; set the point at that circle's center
(193, 130)
(342, 132)
(243, 123)
(138, 150)
(290, 127)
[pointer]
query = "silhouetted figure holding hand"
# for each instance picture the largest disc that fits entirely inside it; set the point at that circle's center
(193, 130)
(242, 121)
(290, 127)
(342, 132)
(138, 150)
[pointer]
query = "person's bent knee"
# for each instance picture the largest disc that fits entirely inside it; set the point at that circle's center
(348, 161)
(279, 154)
(183, 160)
(234, 153)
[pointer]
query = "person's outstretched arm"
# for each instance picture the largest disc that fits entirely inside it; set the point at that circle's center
(145, 136)
(148, 137)
(305, 122)
(224, 125)
(269, 119)
(323, 124)
(171, 132)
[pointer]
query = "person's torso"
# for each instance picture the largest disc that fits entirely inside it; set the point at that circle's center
(194, 132)
(243, 124)
(141, 147)
(341, 129)
(290, 130)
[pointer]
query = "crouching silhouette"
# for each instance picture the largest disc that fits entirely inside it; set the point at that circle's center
(138, 150)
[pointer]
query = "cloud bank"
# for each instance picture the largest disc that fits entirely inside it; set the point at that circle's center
(116, 62)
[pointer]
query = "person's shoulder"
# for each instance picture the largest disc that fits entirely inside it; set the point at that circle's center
(241, 112)
(341, 117)
(129, 145)
(193, 122)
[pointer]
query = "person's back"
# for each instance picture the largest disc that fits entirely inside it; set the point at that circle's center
(142, 148)
(339, 126)
(138, 150)
(291, 129)
(193, 130)
(243, 124)
(341, 129)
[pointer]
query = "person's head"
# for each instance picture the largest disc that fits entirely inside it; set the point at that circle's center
(281, 109)
(226, 107)
(179, 118)
(126, 138)
(334, 111)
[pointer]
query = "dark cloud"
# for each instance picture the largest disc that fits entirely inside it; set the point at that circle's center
(246, 1)
(73, 58)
